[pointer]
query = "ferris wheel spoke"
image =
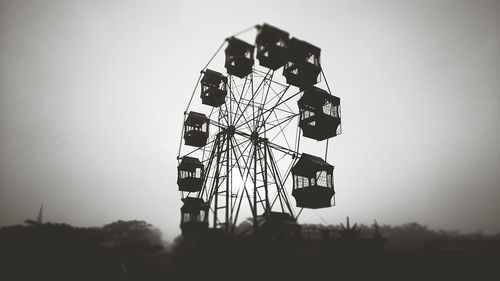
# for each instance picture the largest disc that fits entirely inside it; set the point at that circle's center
(217, 124)
(279, 120)
(198, 149)
(286, 120)
(281, 158)
(284, 110)
(261, 74)
(276, 95)
(264, 98)
(246, 113)
(253, 94)
(280, 102)
(241, 94)
(240, 112)
(226, 115)
(269, 110)
(278, 134)
(247, 120)
(283, 149)
(235, 90)
(282, 128)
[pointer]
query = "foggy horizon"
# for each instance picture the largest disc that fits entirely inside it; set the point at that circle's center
(92, 95)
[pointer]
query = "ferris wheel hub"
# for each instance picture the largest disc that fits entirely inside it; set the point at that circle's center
(231, 130)
(254, 136)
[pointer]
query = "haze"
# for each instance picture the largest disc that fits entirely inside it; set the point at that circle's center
(92, 95)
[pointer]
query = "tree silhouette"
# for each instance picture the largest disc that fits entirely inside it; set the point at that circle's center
(348, 232)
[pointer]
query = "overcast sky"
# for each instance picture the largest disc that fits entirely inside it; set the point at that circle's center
(92, 95)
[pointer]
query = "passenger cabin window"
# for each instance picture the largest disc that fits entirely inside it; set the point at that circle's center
(330, 109)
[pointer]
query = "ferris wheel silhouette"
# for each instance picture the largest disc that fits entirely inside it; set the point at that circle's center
(243, 151)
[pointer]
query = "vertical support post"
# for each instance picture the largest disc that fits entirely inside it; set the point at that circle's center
(268, 208)
(217, 175)
(228, 143)
(255, 222)
(230, 104)
(326, 150)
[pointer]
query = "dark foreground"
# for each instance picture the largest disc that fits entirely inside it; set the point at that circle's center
(341, 259)
(131, 251)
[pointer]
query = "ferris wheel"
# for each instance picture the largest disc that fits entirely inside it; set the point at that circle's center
(239, 152)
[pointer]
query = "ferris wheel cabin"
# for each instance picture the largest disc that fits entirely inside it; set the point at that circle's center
(213, 88)
(319, 114)
(272, 44)
(303, 66)
(312, 182)
(194, 217)
(196, 129)
(190, 174)
(239, 57)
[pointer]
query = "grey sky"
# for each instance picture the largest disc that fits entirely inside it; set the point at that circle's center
(92, 95)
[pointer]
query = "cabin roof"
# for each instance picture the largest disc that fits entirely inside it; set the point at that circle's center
(236, 45)
(213, 77)
(308, 164)
(315, 96)
(304, 47)
(270, 34)
(190, 162)
(195, 117)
